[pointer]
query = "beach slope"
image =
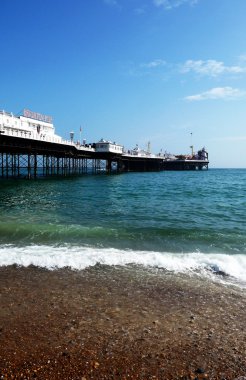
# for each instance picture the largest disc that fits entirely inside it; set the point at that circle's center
(119, 323)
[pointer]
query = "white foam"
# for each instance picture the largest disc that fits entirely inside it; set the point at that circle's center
(82, 257)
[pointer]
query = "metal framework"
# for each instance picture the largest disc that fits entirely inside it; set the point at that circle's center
(25, 158)
(31, 166)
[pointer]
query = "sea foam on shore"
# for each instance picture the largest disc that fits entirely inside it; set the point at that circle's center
(75, 257)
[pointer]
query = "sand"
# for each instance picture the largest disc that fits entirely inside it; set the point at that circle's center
(119, 323)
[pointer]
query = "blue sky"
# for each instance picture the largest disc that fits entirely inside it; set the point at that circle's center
(131, 71)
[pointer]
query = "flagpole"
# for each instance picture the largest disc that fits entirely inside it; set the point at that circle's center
(80, 130)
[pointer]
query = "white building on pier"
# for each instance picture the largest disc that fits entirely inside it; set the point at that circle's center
(30, 125)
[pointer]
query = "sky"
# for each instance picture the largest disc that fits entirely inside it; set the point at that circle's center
(168, 72)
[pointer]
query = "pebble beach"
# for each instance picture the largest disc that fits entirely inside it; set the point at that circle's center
(119, 323)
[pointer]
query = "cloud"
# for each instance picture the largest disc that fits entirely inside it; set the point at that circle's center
(139, 11)
(111, 2)
(165, 4)
(154, 64)
(222, 93)
(242, 58)
(152, 68)
(210, 68)
(202, 68)
(170, 4)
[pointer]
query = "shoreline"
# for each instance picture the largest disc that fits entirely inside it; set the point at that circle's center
(119, 323)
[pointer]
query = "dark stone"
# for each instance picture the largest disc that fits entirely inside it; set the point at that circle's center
(215, 269)
(66, 353)
(200, 370)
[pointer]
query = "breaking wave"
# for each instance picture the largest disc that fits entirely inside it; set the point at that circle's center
(78, 258)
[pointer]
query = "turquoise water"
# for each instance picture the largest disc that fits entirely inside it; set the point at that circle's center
(178, 220)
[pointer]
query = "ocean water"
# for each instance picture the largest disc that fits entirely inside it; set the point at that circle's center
(189, 222)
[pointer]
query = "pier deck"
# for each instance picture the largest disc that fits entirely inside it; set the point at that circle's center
(23, 157)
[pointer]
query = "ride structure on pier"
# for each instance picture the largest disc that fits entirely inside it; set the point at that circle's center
(30, 148)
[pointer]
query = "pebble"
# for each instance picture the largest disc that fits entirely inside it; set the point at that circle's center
(156, 322)
(66, 353)
(200, 370)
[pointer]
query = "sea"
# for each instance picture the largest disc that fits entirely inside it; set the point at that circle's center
(190, 222)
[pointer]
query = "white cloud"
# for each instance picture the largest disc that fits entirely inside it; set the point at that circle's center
(139, 11)
(210, 67)
(166, 4)
(201, 68)
(242, 58)
(223, 93)
(170, 4)
(152, 68)
(111, 2)
(154, 64)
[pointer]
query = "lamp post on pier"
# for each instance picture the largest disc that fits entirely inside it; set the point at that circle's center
(191, 146)
(71, 136)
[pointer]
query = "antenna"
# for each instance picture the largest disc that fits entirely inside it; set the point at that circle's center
(80, 133)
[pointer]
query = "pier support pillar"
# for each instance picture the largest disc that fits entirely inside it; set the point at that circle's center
(108, 166)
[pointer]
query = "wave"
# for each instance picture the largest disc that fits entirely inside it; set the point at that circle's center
(171, 239)
(78, 258)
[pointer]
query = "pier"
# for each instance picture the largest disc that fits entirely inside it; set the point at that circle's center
(29, 148)
(20, 157)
